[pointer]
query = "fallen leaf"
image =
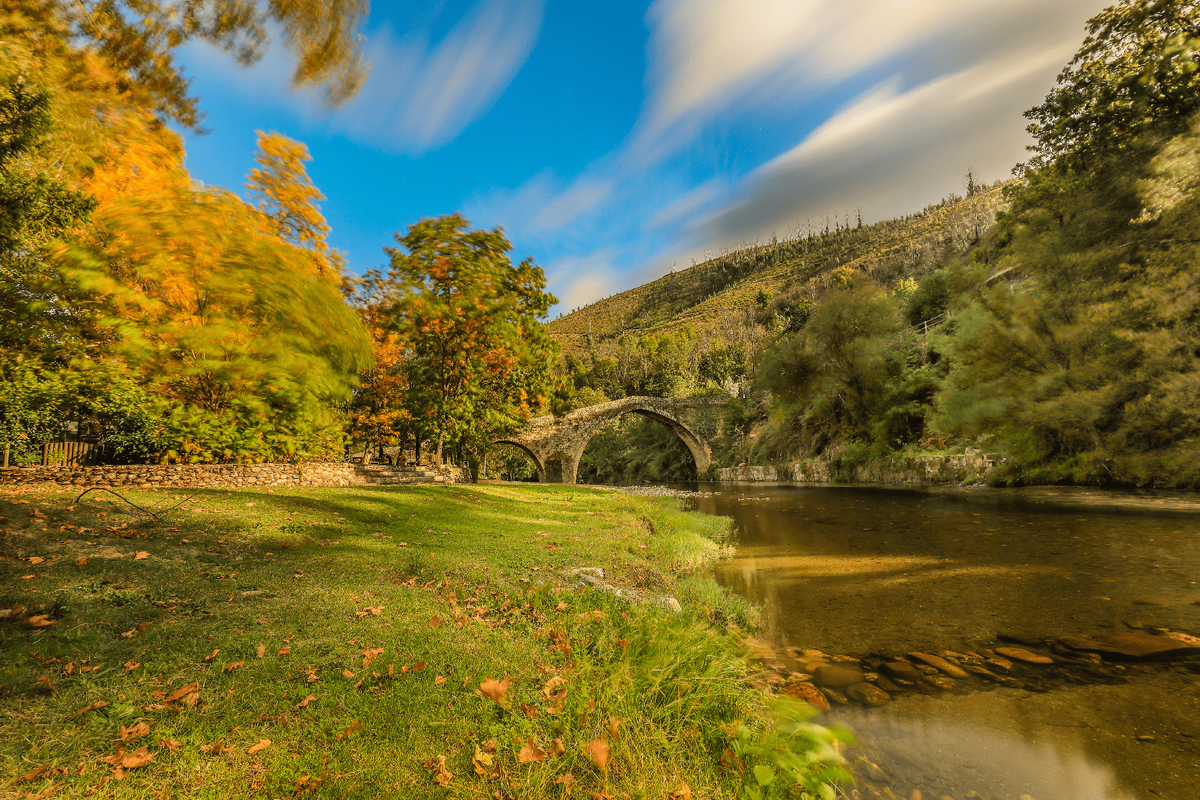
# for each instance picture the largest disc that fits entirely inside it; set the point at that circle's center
(212, 655)
(169, 744)
(439, 680)
(81, 561)
(92, 707)
(528, 711)
(35, 559)
(141, 555)
(481, 761)
(135, 732)
(122, 760)
(613, 725)
(354, 726)
(370, 655)
(438, 767)
(261, 651)
(182, 692)
(375, 610)
(41, 621)
(496, 690)
(192, 699)
(347, 673)
(263, 744)
(28, 577)
(216, 749)
(304, 703)
(600, 796)
(562, 606)
(684, 792)
(417, 667)
(557, 748)
(552, 684)
(42, 679)
(131, 665)
(233, 666)
(283, 651)
(567, 779)
(531, 752)
(597, 750)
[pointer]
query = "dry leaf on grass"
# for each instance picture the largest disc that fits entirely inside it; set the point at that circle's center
(557, 748)
(371, 655)
(304, 703)
(233, 666)
(562, 606)
(283, 651)
(417, 667)
(182, 692)
(169, 744)
(552, 684)
(141, 555)
(263, 744)
(216, 749)
(347, 673)
(439, 680)
(528, 711)
(597, 750)
(212, 655)
(41, 621)
(42, 679)
(684, 792)
(600, 796)
(438, 767)
(131, 665)
(134, 732)
(354, 726)
(35, 559)
(121, 760)
(261, 651)
(81, 561)
(531, 752)
(613, 725)
(567, 779)
(496, 690)
(91, 707)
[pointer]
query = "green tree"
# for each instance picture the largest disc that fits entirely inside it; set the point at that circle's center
(1135, 72)
(479, 357)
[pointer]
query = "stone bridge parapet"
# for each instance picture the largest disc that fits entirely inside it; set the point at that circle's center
(557, 443)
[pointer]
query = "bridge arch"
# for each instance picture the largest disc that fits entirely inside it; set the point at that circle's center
(557, 444)
(538, 463)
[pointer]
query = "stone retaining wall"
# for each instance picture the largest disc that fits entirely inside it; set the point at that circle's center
(914, 469)
(198, 476)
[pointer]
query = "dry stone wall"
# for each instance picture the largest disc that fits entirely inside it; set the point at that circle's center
(198, 476)
(914, 469)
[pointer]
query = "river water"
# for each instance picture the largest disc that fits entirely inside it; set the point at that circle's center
(862, 572)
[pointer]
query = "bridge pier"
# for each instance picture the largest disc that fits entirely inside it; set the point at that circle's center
(560, 468)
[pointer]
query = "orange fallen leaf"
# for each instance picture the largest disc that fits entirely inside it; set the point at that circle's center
(122, 760)
(41, 621)
(141, 555)
(169, 744)
(263, 744)
(35, 559)
(557, 748)
(597, 750)
(216, 749)
(304, 703)
(233, 666)
(283, 651)
(552, 684)
(131, 665)
(531, 752)
(496, 690)
(562, 606)
(439, 680)
(613, 725)
(135, 732)
(528, 711)
(81, 561)
(567, 779)
(354, 726)
(212, 655)
(438, 767)
(417, 667)
(261, 651)
(684, 792)
(182, 692)
(347, 673)
(600, 796)
(42, 679)
(370, 655)
(91, 707)
(375, 610)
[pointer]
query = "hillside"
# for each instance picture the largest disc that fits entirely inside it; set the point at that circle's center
(715, 297)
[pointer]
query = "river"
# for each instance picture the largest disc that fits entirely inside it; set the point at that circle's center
(872, 573)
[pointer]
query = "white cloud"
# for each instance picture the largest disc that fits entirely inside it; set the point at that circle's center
(580, 280)
(421, 95)
(709, 55)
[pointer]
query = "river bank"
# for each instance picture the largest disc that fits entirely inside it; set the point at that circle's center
(351, 642)
(969, 467)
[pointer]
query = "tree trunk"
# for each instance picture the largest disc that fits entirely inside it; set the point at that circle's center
(440, 442)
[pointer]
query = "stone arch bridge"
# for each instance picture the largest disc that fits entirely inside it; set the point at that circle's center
(557, 444)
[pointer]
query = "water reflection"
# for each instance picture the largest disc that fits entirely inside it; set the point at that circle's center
(865, 571)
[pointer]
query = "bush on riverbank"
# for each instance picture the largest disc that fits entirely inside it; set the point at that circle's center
(367, 642)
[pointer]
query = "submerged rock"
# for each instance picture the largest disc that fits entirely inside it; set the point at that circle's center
(1132, 646)
(831, 676)
(902, 670)
(1018, 654)
(940, 664)
(802, 690)
(868, 694)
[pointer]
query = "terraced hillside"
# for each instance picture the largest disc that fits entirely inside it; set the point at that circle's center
(718, 297)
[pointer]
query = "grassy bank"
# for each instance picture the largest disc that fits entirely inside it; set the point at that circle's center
(375, 642)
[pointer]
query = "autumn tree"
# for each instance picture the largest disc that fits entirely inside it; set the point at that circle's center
(471, 320)
(379, 412)
(288, 199)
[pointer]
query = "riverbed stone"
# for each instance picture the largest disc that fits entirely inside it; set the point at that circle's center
(835, 695)
(902, 670)
(803, 690)
(831, 676)
(868, 694)
(941, 682)
(940, 664)
(1020, 654)
(1132, 646)
(888, 685)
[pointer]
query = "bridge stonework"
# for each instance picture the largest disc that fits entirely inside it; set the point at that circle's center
(557, 444)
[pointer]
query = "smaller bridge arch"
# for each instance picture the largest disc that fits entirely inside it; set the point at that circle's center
(557, 444)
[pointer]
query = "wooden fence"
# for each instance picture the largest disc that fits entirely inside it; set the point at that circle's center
(67, 454)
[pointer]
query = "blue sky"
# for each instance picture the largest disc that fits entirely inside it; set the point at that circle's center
(615, 141)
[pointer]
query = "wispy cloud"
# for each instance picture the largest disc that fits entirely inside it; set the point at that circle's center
(421, 95)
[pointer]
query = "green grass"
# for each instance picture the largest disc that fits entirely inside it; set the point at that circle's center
(390, 607)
